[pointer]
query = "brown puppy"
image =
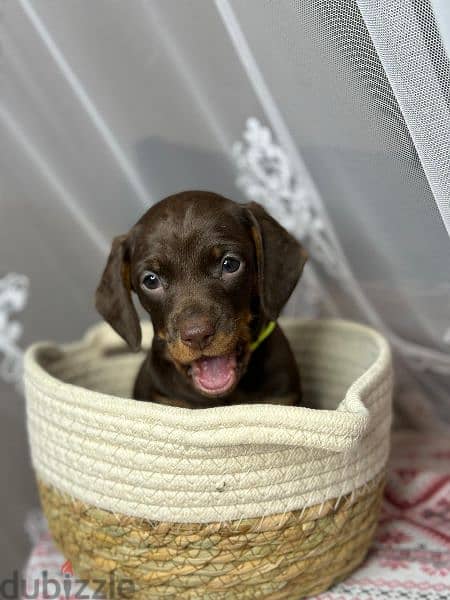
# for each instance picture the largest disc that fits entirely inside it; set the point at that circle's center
(213, 276)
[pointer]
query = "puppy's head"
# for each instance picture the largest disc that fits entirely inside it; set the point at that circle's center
(209, 272)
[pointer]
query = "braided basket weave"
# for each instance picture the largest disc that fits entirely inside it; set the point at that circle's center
(239, 502)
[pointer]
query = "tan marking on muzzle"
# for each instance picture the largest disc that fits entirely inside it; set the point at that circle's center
(222, 343)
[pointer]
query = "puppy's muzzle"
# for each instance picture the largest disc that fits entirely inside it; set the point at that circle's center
(208, 355)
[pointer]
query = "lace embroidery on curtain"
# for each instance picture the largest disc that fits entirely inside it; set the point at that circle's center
(266, 175)
(13, 298)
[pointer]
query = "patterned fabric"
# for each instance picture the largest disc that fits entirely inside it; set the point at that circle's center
(410, 558)
(411, 555)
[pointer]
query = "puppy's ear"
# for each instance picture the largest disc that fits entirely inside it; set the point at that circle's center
(113, 297)
(280, 259)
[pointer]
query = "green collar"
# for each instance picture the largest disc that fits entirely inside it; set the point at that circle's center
(263, 334)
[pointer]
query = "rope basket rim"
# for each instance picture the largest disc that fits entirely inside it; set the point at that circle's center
(210, 464)
(221, 424)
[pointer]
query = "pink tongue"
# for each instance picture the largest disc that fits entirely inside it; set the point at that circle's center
(214, 372)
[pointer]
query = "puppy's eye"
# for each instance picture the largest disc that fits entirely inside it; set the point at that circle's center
(230, 264)
(150, 281)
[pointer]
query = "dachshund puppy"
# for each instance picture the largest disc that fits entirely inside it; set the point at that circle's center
(213, 276)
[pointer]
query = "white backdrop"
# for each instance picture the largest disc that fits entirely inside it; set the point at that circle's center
(334, 113)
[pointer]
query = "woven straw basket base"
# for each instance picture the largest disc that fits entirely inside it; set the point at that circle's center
(286, 556)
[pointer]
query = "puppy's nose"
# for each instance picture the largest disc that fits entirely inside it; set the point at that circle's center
(197, 332)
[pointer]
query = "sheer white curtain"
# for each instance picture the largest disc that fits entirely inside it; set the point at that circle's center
(335, 113)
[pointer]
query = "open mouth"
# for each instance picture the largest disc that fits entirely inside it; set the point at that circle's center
(214, 375)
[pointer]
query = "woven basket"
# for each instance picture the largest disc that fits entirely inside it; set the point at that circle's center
(245, 502)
